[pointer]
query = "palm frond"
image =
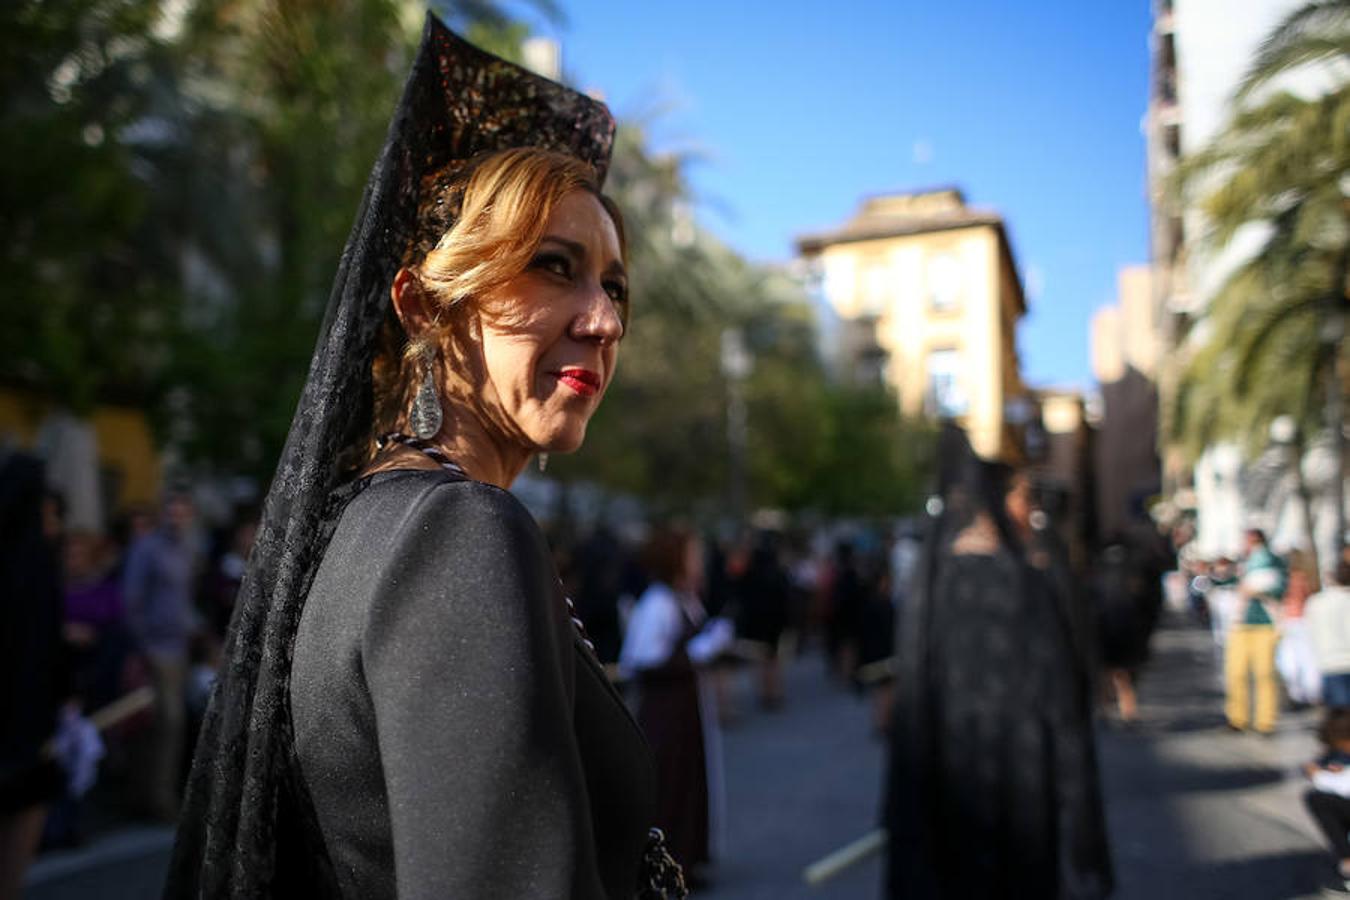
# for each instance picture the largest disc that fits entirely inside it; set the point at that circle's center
(1312, 33)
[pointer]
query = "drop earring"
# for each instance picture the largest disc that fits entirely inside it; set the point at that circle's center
(543, 461)
(425, 419)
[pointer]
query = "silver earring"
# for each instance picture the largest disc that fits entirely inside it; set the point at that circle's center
(426, 409)
(543, 461)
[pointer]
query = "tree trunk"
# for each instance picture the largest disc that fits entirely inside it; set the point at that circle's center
(1336, 422)
(1336, 399)
(1305, 500)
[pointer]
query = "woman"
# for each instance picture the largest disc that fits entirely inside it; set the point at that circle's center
(763, 591)
(1294, 658)
(669, 635)
(993, 784)
(406, 708)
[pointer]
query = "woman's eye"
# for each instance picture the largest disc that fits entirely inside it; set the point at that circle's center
(552, 262)
(617, 291)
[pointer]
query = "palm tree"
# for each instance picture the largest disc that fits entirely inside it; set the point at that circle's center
(1270, 342)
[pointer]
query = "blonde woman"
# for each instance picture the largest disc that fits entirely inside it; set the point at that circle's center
(408, 707)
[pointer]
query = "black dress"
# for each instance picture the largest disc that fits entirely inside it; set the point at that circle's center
(993, 784)
(455, 735)
(672, 719)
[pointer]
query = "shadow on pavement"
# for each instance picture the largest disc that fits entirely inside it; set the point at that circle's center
(1280, 876)
(1195, 811)
(1180, 779)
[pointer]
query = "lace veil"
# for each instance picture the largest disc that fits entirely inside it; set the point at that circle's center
(459, 102)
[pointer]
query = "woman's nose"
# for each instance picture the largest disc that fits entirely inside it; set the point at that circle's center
(599, 320)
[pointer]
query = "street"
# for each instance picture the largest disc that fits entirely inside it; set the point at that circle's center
(1195, 812)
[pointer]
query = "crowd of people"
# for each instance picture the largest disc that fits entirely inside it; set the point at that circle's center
(680, 618)
(1282, 630)
(690, 625)
(91, 617)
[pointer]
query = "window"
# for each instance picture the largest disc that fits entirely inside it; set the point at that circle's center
(944, 282)
(838, 281)
(946, 393)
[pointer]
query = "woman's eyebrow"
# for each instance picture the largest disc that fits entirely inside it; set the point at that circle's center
(576, 248)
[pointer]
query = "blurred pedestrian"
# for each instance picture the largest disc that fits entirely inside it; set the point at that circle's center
(1328, 801)
(95, 619)
(1223, 600)
(1327, 622)
(1249, 650)
(1295, 658)
(903, 560)
(669, 637)
(161, 571)
(1127, 598)
(762, 590)
(993, 785)
(222, 584)
(31, 681)
(1197, 586)
(848, 599)
(599, 572)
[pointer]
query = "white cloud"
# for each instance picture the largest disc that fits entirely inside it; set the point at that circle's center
(1033, 281)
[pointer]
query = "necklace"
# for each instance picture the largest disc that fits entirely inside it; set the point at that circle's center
(431, 451)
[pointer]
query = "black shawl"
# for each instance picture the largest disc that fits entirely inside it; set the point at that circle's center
(243, 831)
(993, 782)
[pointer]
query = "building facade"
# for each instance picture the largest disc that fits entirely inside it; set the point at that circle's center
(1200, 51)
(1125, 357)
(927, 297)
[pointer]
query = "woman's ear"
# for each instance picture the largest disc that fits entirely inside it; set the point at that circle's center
(410, 304)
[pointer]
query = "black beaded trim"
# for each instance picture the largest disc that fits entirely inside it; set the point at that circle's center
(436, 454)
(577, 623)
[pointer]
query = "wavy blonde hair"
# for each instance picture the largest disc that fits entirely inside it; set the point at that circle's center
(499, 206)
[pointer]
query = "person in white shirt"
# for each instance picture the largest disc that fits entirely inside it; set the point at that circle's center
(1328, 624)
(1328, 801)
(669, 638)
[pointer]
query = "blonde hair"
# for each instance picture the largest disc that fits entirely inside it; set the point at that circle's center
(500, 204)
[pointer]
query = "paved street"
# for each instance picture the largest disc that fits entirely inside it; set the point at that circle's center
(1198, 812)
(1195, 812)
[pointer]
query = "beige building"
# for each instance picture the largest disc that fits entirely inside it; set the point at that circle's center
(928, 296)
(1200, 51)
(1126, 352)
(1062, 472)
(102, 463)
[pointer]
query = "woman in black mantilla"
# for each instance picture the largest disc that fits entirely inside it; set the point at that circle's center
(993, 785)
(407, 708)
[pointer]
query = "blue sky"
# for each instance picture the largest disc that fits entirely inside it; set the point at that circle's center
(802, 109)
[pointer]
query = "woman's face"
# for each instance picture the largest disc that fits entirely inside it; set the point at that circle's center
(550, 335)
(1018, 501)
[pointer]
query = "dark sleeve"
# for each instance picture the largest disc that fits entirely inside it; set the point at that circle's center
(468, 660)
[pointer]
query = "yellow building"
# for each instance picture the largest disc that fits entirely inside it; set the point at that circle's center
(929, 297)
(128, 459)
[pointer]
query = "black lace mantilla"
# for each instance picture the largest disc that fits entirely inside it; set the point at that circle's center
(237, 837)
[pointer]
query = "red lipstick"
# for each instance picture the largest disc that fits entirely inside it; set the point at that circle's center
(583, 381)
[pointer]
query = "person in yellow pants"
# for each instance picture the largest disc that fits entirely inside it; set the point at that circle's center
(1250, 648)
(1249, 655)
